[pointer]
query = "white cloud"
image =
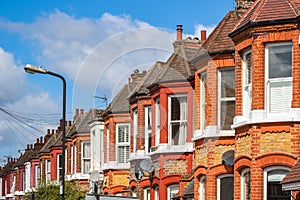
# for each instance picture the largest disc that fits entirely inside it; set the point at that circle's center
(12, 78)
(200, 27)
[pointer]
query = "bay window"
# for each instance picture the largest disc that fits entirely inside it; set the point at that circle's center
(123, 144)
(272, 187)
(245, 184)
(148, 128)
(48, 170)
(247, 93)
(177, 119)
(226, 98)
(59, 166)
(86, 157)
(225, 187)
(279, 77)
(203, 102)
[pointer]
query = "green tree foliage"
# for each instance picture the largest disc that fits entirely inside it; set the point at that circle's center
(51, 192)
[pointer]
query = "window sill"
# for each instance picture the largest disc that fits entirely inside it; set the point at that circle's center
(261, 116)
(138, 155)
(211, 131)
(115, 165)
(166, 148)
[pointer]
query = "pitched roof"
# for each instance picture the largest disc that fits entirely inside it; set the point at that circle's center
(219, 39)
(49, 143)
(293, 175)
(148, 79)
(269, 11)
(120, 103)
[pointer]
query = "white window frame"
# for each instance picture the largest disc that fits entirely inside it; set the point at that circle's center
(135, 129)
(225, 99)
(157, 122)
(58, 168)
(107, 143)
(219, 184)
(147, 194)
(247, 87)
(201, 188)
(203, 103)
(243, 189)
(72, 159)
(183, 122)
(148, 129)
(75, 158)
(48, 170)
(123, 144)
(268, 169)
(172, 189)
(24, 180)
(85, 159)
(156, 192)
(37, 175)
(275, 80)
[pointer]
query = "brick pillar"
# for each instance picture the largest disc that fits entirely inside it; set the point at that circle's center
(256, 172)
(163, 118)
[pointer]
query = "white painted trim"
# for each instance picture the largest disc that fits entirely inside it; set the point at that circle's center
(260, 116)
(265, 173)
(219, 183)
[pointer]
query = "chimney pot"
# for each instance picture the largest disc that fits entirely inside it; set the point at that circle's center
(81, 111)
(179, 32)
(77, 111)
(52, 131)
(48, 131)
(203, 35)
(28, 146)
(41, 139)
(31, 146)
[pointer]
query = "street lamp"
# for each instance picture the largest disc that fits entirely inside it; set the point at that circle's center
(32, 70)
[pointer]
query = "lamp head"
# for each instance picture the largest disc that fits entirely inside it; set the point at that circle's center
(34, 69)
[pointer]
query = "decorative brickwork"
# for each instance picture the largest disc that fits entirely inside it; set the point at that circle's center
(201, 156)
(243, 146)
(275, 142)
(174, 167)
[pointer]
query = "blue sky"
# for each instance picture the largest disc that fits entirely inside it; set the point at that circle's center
(94, 44)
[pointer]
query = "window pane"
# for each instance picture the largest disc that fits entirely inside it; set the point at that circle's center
(86, 166)
(248, 62)
(227, 114)
(226, 188)
(227, 83)
(121, 154)
(86, 150)
(121, 136)
(280, 61)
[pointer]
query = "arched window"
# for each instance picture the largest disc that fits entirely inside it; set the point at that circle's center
(272, 187)
(225, 187)
(245, 184)
(202, 188)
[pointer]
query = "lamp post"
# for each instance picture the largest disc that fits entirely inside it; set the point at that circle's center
(32, 70)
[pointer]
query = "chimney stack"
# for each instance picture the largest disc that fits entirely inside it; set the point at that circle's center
(243, 5)
(179, 32)
(203, 35)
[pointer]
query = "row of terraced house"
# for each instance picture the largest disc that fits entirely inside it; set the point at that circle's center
(218, 120)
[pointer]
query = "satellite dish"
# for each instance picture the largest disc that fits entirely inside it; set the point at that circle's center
(228, 158)
(95, 176)
(146, 165)
(138, 171)
(142, 167)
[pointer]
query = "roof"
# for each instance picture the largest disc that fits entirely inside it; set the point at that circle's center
(49, 143)
(269, 11)
(120, 103)
(219, 40)
(293, 175)
(177, 66)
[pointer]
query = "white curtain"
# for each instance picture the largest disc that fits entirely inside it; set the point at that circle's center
(183, 113)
